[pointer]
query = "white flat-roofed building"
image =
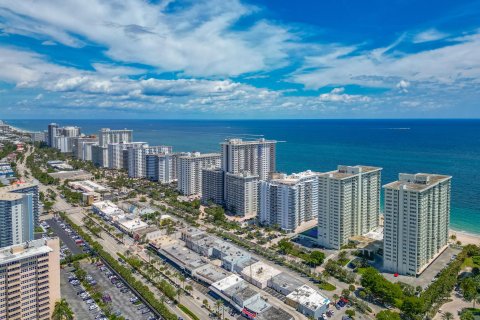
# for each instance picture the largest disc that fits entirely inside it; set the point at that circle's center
(131, 225)
(107, 209)
(210, 273)
(220, 287)
(183, 257)
(259, 274)
(87, 186)
(190, 171)
(30, 280)
(308, 301)
(241, 194)
(349, 204)
(254, 156)
(289, 201)
(416, 221)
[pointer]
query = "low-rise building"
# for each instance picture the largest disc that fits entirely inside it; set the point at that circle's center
(107, 209)
(259, 274)
(148, 234)
(210, 273)
(284, 283)
(89, 198)
(184, 258)
(87, 186)
(131, 226)
(308, 301)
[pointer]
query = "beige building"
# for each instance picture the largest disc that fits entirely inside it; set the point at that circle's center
(30, 280)
(190, 171)
(417, 216)
(349, 204)
(241, 194)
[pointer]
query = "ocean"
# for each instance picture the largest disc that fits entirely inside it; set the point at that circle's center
(449, 147)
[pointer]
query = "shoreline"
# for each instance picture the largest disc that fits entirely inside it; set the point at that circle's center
(465, 237)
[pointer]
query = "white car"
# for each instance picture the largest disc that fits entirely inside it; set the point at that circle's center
(93, 307)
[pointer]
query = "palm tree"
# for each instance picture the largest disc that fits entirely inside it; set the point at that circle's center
(180, 292)
(62, 311)
(447, 316)
(335, 298)
(218, 304)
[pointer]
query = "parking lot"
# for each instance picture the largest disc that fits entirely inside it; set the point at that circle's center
(64, 236)
(78, 306)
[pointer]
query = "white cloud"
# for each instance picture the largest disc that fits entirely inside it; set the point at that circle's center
(338, 95)
(403, 85)
(429, 35)
(376, 68)
(198, 39)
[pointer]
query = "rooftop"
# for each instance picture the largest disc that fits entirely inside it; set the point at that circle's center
(344, 172)
(228, 282)
(212, 273)
(292, 179)
(417, 182)
(187, 257)
(195, 155)
(308, 297)
(260, 271)
(242, 293)
(24, 250)
(274, 313)
(9, 193)
(286, 281)
(239, 141)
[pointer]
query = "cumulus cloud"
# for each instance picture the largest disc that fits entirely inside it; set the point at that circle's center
(338, 95)
(403, 85)
(198, 39)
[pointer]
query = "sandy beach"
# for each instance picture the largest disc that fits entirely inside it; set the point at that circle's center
(466, 238)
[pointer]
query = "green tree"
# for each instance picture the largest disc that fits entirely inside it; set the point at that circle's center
(62, 311)
(388, 315)
(467, 315)
(447, 316)
(350, 313)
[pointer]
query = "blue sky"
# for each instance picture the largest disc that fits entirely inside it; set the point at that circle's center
(239, 59)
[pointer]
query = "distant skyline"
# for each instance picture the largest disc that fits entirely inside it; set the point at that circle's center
(229, 59)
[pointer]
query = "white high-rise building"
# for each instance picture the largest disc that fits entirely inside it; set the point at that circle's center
(162, 167)
(190, 171)
(100, 156)
(417, 218)
(349, 204)
(69, 131)
(38, 137)
(116, 154)
(106, 136)
(137, 157)
(256, 156)
(18, 213)
(82, 147)
(288, 201)
(241, 194)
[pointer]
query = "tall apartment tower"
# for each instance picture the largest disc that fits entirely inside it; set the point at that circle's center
(82, 147)
(349, 204)
(288, 201)
(106, 136)
(115, 153)
(52, 133)
(241, 194)
(99, 155)
(190, 171)
(18, 213)
(30, 280)
(137, 156)
(162, 167)
(256, 157)
(212, 185)
(417, 218)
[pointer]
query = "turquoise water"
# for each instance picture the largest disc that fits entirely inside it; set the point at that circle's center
(437, 146)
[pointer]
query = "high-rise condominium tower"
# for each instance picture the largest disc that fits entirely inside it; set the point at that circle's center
(288, 201)
(18, 213)
(256, 157)
(241, 194)
(30, 280)
(349, 204)
(106, 136)
(417, 215)
(190, 171)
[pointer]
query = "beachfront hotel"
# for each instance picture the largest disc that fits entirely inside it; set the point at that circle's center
(349, 204)
(190, 171)
(254, 156)
(29, 280)
(417, 214)
(106, 136)
(18, 213)
(288, 201)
